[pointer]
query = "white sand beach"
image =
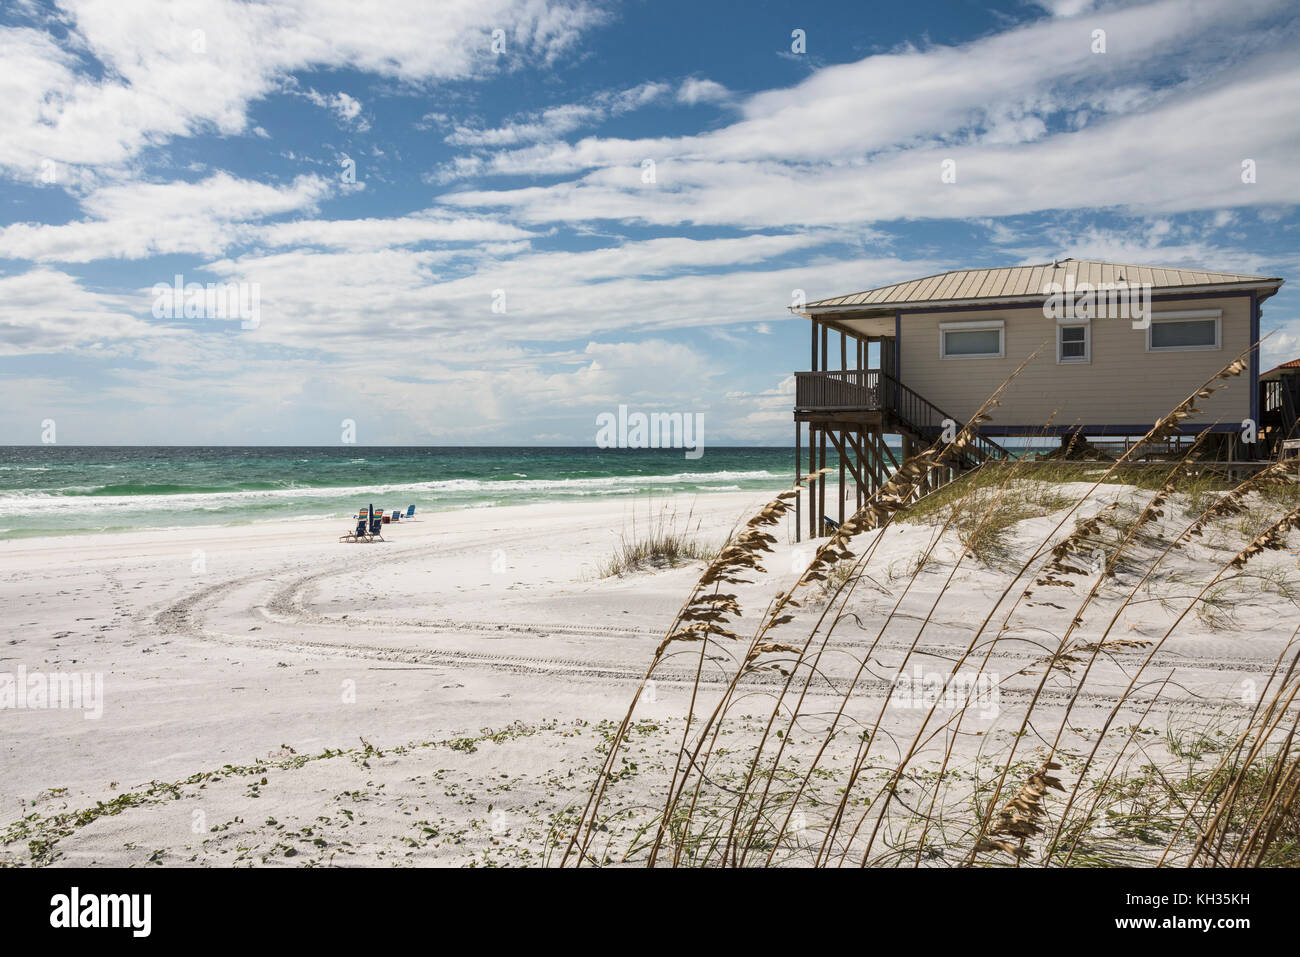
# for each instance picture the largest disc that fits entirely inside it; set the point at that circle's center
(272, 696)
(459, 621)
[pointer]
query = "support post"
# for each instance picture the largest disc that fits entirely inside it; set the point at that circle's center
(812, 363)
(821, 480)
(812, 485)
(857, 499)
(798, 470)
(844, 451)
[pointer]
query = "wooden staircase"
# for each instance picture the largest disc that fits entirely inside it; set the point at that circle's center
(851, 410)
(923, 421)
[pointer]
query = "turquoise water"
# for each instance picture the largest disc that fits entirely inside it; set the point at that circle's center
(75, 490)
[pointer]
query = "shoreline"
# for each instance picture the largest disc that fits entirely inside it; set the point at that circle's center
(77, 492)
(208, 531)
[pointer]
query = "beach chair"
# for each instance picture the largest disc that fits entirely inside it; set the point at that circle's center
(358, 534)
(397, 515)
(376, 527)
(410, 512)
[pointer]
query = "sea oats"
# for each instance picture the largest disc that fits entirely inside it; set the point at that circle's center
(1021, 817)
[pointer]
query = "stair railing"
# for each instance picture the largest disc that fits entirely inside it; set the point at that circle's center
(925, 418)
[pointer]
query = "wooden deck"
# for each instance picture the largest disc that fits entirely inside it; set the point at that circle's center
(849, 390)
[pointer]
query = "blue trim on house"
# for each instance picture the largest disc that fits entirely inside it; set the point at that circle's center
(898, 345)
(1254, 358)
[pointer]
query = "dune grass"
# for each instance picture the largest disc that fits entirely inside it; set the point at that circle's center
(853, 786)
(665, 538)
(984, 506)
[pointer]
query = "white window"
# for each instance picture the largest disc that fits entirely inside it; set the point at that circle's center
(1073, 342)
(972, 340)
(1185, 331)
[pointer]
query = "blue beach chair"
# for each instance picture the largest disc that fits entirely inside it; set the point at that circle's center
(358, 534)
(410, 512)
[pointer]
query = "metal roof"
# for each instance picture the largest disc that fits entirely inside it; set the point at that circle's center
(1029, 282)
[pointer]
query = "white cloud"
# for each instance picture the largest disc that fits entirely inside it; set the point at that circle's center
(1152, 241)
(1282, 346)
(335, 300)
(45, 311)
(373, 234)
(863, 142)
(138, 220)
(697, 90)
(1066, 8)
(345, 108)
(179, 68)
(555, 122)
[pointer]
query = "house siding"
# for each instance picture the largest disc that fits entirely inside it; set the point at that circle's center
(1124, 384)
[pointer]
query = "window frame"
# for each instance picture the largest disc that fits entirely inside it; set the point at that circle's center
(1086, 326)
(1188, 315)
(983, 325)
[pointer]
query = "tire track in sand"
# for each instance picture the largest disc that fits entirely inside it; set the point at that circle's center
(285, 608)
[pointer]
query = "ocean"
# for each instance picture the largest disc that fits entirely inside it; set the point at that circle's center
(68, 490)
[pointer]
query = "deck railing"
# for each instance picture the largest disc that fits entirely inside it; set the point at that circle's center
(850, 390)
(870, 390)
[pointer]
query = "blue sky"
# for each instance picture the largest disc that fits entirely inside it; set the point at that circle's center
(213, 140)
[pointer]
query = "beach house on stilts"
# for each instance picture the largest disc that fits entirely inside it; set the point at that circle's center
(1120, 345)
